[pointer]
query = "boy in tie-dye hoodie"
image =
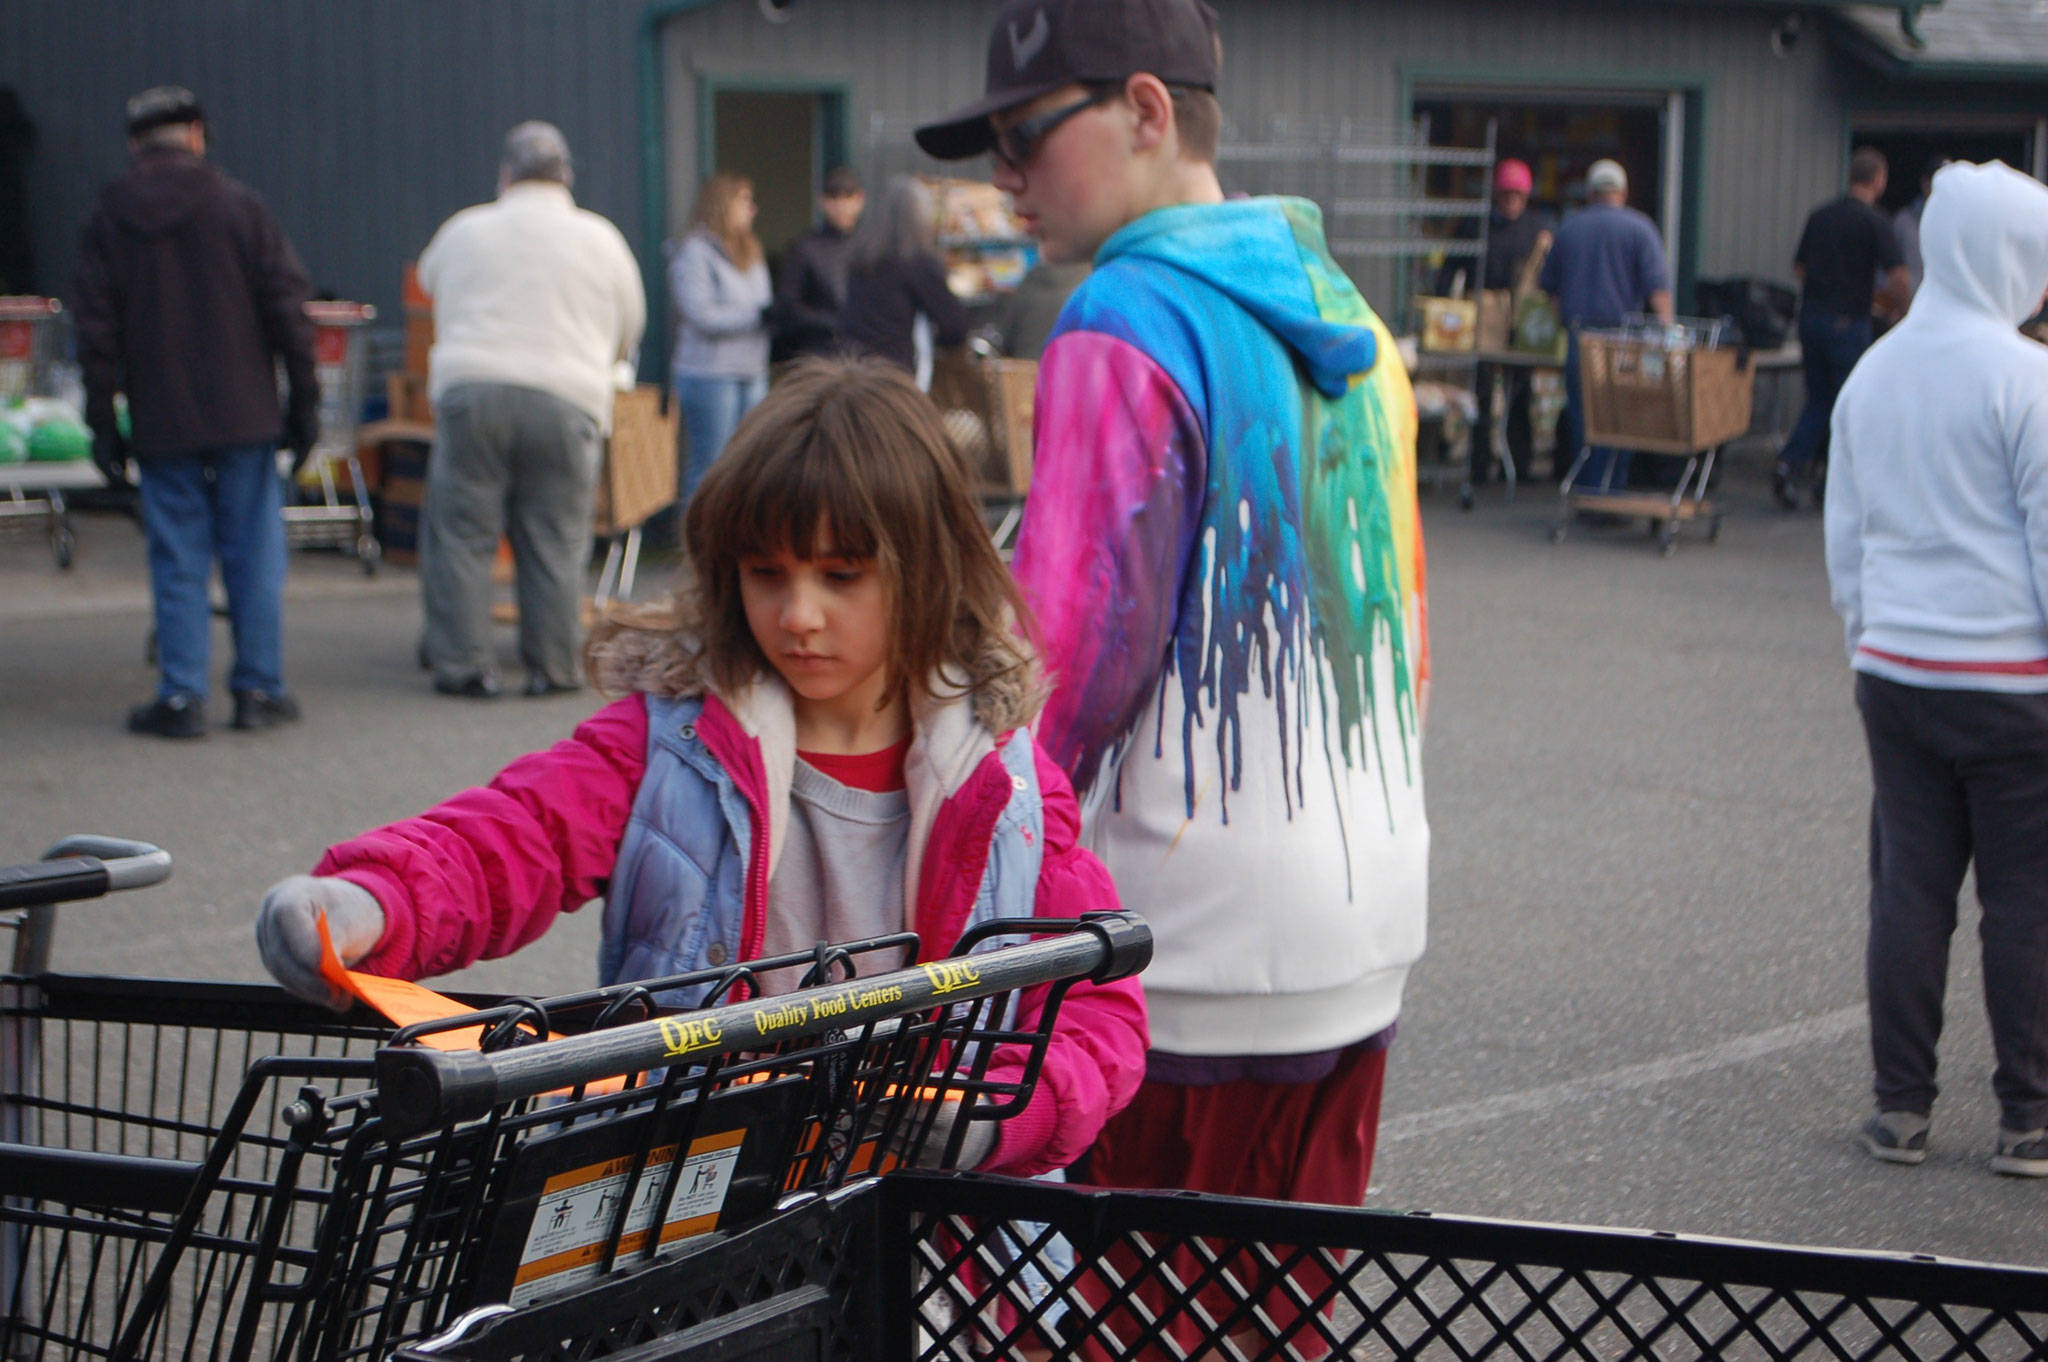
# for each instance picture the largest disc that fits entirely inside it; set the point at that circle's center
(1222, 546)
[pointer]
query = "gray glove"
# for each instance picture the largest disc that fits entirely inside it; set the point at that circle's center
(288, 933)
(975, 1146)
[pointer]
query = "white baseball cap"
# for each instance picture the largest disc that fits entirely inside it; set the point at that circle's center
(1605, 174)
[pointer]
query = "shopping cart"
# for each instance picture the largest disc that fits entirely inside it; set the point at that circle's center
(317, 515)
(31, 343)
(957, 1267)
(1662, 389)
(215, 1170)
(986, 402)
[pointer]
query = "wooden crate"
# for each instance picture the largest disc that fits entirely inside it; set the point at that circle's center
(1639, 395)
(639, 473)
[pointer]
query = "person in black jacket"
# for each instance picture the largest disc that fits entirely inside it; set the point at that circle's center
(810, 285)
(188, 296)
(893, 274)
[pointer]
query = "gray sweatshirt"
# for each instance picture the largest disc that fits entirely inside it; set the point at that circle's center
(719, 332)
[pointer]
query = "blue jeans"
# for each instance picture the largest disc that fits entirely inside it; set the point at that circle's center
(711, 408)
(1829, 346)
(1595, 476)
(226, 503)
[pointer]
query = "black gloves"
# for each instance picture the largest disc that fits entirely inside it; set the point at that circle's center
(301, 433)
(110, 453)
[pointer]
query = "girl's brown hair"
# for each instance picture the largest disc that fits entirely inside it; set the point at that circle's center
(851, 447)
(713, 212)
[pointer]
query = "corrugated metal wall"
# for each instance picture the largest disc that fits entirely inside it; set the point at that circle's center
(364, 123)
(1772, 144)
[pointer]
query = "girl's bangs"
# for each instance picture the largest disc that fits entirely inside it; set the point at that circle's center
(797, 490)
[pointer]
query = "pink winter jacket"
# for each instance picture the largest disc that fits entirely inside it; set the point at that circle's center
(488, 870)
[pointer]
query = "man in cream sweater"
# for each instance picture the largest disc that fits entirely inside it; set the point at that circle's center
(536, 303)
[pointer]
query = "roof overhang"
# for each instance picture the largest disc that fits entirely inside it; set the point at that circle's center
(2004, 41)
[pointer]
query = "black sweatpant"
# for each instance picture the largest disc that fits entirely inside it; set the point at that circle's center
(1959, 775)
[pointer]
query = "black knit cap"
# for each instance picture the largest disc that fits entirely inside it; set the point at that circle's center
(161, 104)
(1040, 45)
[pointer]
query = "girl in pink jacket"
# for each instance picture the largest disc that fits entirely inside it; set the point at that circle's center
(824, 739)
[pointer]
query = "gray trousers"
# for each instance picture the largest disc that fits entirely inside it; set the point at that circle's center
(1960, 776)
(507, 461)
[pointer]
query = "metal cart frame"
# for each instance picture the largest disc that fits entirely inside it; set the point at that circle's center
(340, 345)
(35, 491)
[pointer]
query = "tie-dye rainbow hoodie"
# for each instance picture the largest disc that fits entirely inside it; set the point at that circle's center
(1222, 547)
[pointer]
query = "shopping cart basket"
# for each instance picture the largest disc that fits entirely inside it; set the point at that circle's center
(218, 1171)
(956, 1267)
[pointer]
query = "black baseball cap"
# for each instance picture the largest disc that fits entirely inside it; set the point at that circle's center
(1040, 45)
(161, 104)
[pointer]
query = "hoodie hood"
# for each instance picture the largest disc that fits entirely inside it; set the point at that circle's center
(161, 191)
(1268, 256)
(1984, 237)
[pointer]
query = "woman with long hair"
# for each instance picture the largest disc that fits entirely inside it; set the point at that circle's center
(719, 283)
(894, 275)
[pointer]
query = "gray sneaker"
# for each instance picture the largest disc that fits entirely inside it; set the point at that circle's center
(2022, 1153)
(1896, 1136)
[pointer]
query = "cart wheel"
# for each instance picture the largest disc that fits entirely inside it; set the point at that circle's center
(369, 553)
(1557, 530)
(1656, 527)
(1465, 497)
(1667, 541)
(62, 542)
(1713, 528)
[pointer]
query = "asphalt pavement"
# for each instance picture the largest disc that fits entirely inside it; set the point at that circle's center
(1642, 1003)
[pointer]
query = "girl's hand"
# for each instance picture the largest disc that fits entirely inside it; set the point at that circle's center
(288, 932)
(976, 1144)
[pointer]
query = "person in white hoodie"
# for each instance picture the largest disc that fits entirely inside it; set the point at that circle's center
(1937, 547)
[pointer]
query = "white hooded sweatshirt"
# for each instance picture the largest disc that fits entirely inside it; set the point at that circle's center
(1937, 492)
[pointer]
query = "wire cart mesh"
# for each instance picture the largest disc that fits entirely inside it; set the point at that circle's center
(195, 1170)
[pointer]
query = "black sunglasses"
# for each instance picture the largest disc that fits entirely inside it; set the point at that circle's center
(1015, 144)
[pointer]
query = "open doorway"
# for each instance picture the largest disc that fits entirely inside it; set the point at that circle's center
(1560, 136)
(1918, 148)
(783, 139)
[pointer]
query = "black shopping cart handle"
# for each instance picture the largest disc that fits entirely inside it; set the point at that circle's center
(418, 1087)
(83, 868)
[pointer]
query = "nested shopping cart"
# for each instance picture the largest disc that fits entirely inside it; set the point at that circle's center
(192, 1170)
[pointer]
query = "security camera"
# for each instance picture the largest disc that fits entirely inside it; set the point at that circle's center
(1785, 36)
(776, 11)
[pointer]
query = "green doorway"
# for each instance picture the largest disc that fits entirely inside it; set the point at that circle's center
(781, 137)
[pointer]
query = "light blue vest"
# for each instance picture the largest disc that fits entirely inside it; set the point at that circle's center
(678, 892)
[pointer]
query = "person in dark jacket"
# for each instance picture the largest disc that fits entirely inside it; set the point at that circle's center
(810, 284)
(189, 295)
(893, 274)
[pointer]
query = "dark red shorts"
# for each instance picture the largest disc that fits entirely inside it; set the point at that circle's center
(1282, 1141)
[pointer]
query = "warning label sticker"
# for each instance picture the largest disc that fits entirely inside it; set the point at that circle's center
(577, 1208)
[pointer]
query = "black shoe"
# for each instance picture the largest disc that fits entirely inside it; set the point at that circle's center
(264, 709)
(174, 716)
(538, 684)
(482, 686)
(1782, 489)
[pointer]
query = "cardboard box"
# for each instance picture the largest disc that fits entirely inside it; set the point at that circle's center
(1496, 318)
(1449, 325)
(406, 397)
